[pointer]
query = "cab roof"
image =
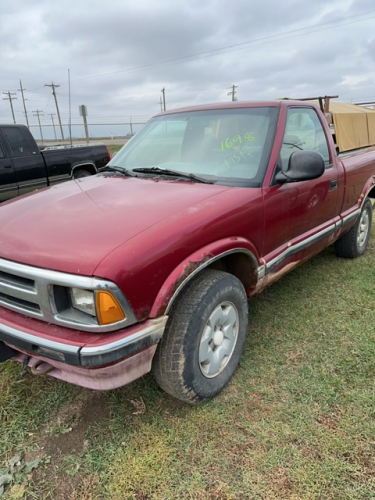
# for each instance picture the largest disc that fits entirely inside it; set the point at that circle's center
(234, 105)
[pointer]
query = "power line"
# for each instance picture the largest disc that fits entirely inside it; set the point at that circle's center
(314, 28)
(362, 98)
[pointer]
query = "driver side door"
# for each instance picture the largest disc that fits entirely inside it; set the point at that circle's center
(299, 215)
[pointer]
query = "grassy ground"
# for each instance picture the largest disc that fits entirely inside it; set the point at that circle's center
(296, 422)
(113, 148)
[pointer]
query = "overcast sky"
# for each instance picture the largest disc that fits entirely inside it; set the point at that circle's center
(121, 54)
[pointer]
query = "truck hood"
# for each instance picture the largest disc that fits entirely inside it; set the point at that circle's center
(72, 227)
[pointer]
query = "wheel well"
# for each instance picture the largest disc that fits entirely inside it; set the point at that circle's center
(89, 167)
(240, 265)
(371, 193)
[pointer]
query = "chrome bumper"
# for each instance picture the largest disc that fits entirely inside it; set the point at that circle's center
(92, 354)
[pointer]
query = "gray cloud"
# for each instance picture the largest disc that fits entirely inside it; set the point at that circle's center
(120, 53)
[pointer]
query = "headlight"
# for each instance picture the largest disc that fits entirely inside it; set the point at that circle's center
(100, 308)
(83, 300)
(100, 304)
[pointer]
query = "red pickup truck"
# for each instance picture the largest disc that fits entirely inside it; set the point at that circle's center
(148, 265)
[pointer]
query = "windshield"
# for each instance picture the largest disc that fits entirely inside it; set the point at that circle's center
(226, 146)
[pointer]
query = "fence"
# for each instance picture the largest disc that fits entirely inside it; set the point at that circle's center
(96, 130)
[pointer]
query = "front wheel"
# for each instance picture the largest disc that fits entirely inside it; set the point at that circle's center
(204, 337)
(354, 243)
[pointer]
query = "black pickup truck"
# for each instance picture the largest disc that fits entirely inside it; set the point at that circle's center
(24, 167)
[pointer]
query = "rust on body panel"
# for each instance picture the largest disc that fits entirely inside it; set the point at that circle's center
(189, 269)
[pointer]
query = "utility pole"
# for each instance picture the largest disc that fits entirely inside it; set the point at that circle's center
(39, 112)
(163, 92)
(53, 123)
(161, 104)
(10, 99)
(24, 105)
(233, 92)
(53, 86)
(83, 112)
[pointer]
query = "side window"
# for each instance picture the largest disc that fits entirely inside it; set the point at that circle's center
(17, 141)
(2, 155)
(303, 130)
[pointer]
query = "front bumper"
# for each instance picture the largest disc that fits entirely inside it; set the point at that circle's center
(102, 379)
(101, 361)
(92, 354)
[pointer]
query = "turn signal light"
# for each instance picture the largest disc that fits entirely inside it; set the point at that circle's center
(108, 309)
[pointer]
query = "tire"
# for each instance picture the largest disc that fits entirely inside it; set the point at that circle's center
(204, 338)
(354, 243)
(80, 173)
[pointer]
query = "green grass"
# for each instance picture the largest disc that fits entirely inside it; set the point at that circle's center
(297, 421)
(25, 404)
(113, 148)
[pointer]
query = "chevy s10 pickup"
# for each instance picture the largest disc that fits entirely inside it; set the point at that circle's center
(149, 264)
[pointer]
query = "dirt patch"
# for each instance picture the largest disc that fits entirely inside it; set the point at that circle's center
(62, 436)
(75, 421)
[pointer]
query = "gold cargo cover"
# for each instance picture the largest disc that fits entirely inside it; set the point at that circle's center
(354, 125)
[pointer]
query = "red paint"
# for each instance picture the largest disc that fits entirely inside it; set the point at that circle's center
(72, 227)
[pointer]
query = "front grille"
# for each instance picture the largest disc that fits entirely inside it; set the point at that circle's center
(32, 291)
(19, 304)
(17, 281)
(18, 292)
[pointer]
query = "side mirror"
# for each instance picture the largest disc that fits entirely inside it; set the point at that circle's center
(302, 166)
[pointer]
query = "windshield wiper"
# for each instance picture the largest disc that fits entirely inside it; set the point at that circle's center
(294, 144)
(174, 173)
(113, 168)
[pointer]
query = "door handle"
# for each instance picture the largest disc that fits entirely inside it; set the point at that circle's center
(7, 166)
(333, 185)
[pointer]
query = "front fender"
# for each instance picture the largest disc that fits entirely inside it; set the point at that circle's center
(194, 263)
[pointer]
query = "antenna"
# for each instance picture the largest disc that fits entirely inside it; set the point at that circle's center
(70, 113)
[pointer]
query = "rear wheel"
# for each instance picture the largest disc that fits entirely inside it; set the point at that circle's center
(204, 338)
(354, 243)
(77, 174)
